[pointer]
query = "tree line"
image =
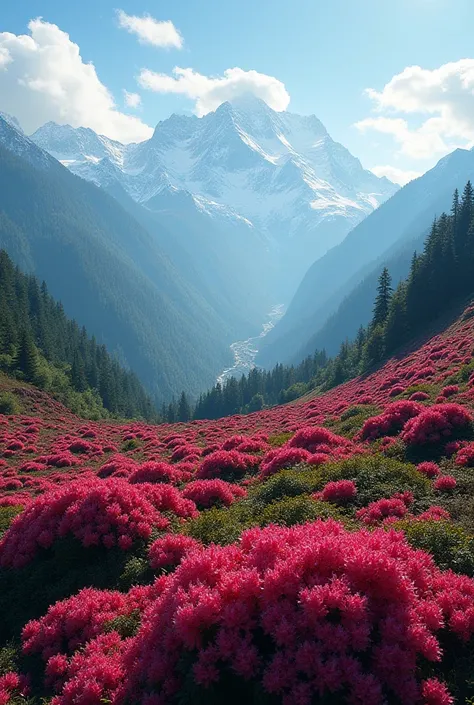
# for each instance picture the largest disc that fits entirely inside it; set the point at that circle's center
(41, 345)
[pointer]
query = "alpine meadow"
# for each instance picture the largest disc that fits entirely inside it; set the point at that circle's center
(237, 353)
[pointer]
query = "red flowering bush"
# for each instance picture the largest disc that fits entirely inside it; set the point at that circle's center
(436, 424)
(395, 507)
(339, 492)
(156, 472)
(465, 456)
(167, 498)
(445, 483)
(391, 421)
(117, 465)
(109, 512)
(433, 513)
(316, 439)
(168, 551)
(295, 611)
(70, 623)
(281, 458)
(429, 469)
(419, 396)
(12, 684)
(225, 464)
(208, 493)
(92, 675)
(450, 391)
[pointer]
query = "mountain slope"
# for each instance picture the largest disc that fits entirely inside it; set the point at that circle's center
(108, 271)
(279, 173)
(329, 280)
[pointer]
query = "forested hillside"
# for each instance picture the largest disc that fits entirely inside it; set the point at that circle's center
(404, 217)
(441, 275)
(109, 272)
(40, 345)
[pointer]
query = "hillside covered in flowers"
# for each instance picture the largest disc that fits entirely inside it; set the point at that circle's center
(318, 552)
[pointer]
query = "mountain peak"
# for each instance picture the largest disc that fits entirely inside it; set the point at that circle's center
(249, 102)
(12, 121)
(280, 171)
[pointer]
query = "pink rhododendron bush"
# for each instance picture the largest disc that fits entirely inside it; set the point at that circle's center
(292, 613)
(316, 553)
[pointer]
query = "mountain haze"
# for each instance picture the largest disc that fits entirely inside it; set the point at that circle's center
(108, 271)
(395, 224)
(278, 174)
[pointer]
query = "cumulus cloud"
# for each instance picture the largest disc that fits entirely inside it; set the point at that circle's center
(45, 78)
(209, 92)
(419, 143)
(150, 31)
(132, 100)
(5, 57)
(442, 100)
(398, 176)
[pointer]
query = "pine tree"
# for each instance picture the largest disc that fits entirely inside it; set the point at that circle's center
(374, 348)
(382, 301)
(27, 357)
(184, 409)
(396, 325)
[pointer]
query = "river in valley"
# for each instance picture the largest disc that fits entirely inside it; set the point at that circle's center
(245, 351)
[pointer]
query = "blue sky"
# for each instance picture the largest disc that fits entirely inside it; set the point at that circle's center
(322, 54)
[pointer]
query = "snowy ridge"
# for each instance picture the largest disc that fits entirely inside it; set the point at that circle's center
(279, 172)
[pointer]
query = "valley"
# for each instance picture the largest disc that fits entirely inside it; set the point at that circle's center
(237, 353)
(245, 351)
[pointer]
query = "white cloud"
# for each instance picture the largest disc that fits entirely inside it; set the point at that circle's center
(398, 176)
(441, 99)
(46, 78)
(5, 57)
(209, 92)
(132, 100)
(150, 31)
(420, 143)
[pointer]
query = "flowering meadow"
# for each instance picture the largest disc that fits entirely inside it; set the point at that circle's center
(315, 553)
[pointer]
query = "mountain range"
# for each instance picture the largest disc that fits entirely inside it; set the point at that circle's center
(277, 175)
(335, 296)
(109, 271)
(234, 207)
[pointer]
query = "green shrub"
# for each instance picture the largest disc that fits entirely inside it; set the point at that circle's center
(421, 387)
(220, 526)
(297, 510)
(286, 483)
(126, 625)
(7, 514)
(136, 571)
(9, 404)
(131, 444)
(279, 439)
(376, 476)
(353, 418)
(8, 658)
(465, 372)
(449, 544)
(367, 409)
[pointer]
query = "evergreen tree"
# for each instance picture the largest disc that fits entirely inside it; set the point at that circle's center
(382, 301)
(27, 357)
(374, 348)
(396, 326)
(184, 409)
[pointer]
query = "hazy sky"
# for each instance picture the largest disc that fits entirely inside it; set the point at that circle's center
(393, 80)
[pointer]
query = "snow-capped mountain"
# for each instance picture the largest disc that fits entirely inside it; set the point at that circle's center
(14, 139)
(279, 172)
